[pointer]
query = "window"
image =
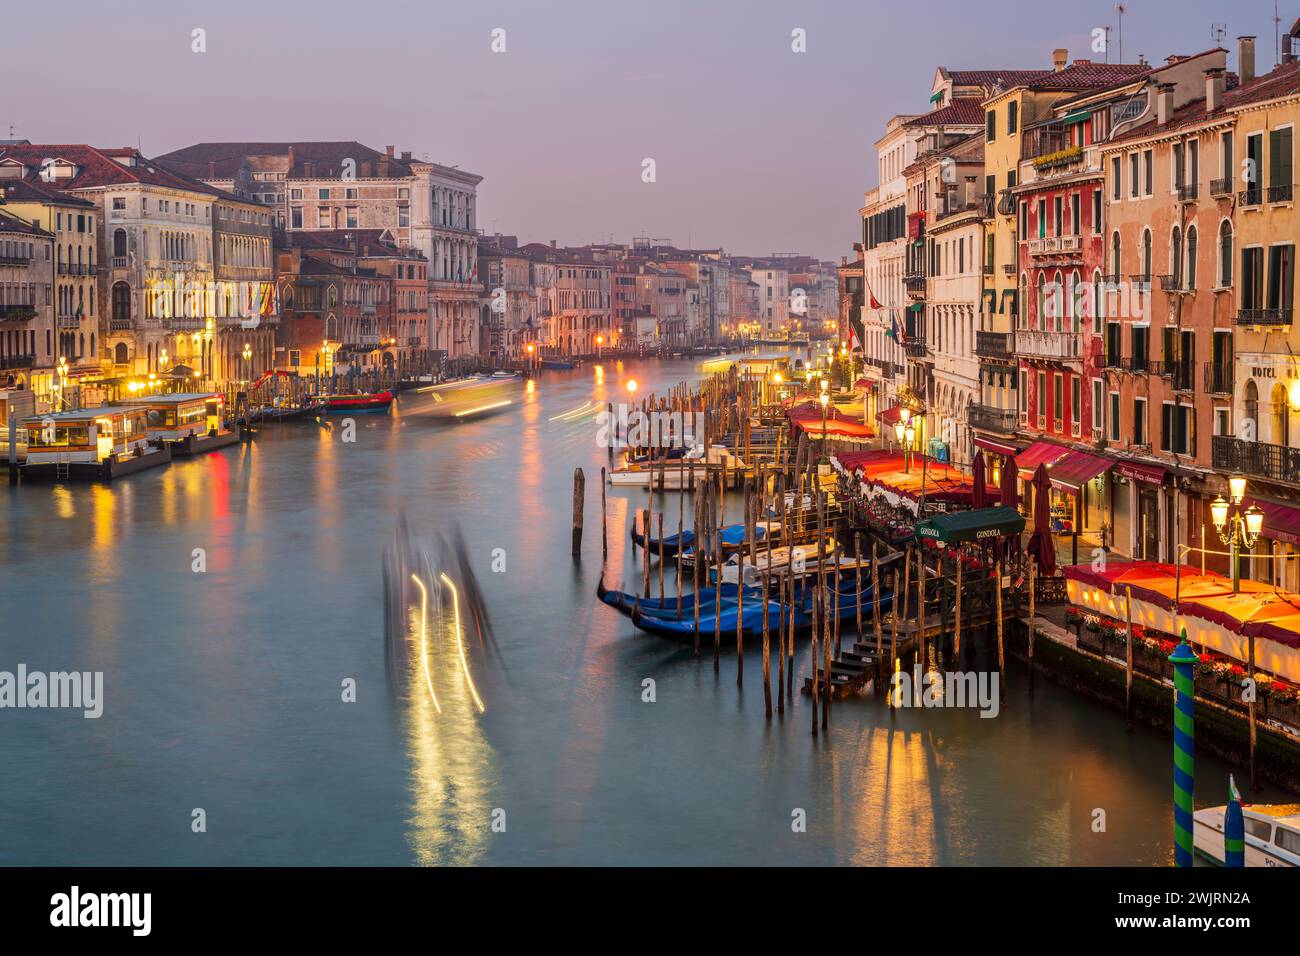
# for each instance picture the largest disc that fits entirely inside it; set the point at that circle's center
(1251, 175)
(1114, 255)
(350, 193)
(1225, 157)
(1147, 163)
(1074, 215)
(1116, 180)
(1012, 109)
(991, 125)
(1191, 258)
(1281, 276)
(1139, 421)
(1176, 430)
(1042, 218)
(322, 194)
(1096, 212)
(295, 217)
(1140, 343)
(1074, 399)
(1114, 344)
(1176, 257)
(295, 193)
(1042, 400)
(351, 217)
(1146, 255)
(1225, 253)
(1096, 404)
(1252, 278)
(1133, 181)
(119, 203)
(1114, 416)
(1058, 412)
(1288, 840)
(1056, 217)
(1279, 165)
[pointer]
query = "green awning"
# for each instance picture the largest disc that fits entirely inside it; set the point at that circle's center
(916, 307)
(1078, 116)
(936, 97)
(982, 525)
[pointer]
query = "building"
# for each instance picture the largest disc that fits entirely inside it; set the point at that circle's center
(330, 186)
(28, 350)
(73, 223)
(509, 307)
(243, 318)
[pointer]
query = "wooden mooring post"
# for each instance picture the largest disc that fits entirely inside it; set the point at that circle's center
(579, 492)
(1002, 671)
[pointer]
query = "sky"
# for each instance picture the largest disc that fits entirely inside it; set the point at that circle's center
(756, 148)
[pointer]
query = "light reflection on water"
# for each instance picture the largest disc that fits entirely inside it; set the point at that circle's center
(223, 688)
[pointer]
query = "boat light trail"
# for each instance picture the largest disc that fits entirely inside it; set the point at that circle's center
(424, 644)
(460, 646)
(482, 408)
(586, 408)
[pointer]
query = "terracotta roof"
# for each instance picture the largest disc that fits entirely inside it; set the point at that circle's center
(1145, 72)
(21, 190)
(98, 167)
(1085, 75)
(223, 160)
(992, 78)
(379, 240)
(1282, 81)
(962, 111)
(14, 224)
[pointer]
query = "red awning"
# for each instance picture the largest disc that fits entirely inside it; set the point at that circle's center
(1137, 471)
(1281, 522)
(1071, 472)
(891, 415)
(1001, 447)
(1039, 453)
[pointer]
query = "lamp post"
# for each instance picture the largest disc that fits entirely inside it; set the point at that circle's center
(1240, 528)
(824, 398)
(63, 383)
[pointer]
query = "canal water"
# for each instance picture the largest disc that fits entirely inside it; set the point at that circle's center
(223, 689)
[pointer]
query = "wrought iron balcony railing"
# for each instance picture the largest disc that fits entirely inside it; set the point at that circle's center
(1257, 458)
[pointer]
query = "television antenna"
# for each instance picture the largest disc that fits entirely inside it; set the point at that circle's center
(1218, 31)
(1120, 10)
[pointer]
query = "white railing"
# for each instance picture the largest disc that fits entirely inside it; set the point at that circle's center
(1049, 345)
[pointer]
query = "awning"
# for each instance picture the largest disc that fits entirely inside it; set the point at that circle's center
(936, 96)
(1006, 294)
(916, 307)
(1001, 447)
(992, 296)
(1039, 453)
(894, 414)
(1071, 472)
(1078, 116)
(978, 525)
(1281, 522)
(1137, 471)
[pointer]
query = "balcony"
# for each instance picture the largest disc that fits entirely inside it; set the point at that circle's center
(1253, 196)
(120, 325)
(1140, 283)
(184, 323)
(17, 361)
(1221, 187)
(993, 345)
(1006, 203)
(975, 204)
(1009, 268)
(992, 419)
(914, 283)
(1280, 193)
(1055, 245)
(1174, 284)
(1257, 459)
(1056, 346)
(1189, 192)
(916, 348)
(18, 261)
(69, 321)
(1218, 378)
(17, 311)
(1276, 318)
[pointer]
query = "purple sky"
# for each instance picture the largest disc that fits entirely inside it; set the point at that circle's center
(758, 149)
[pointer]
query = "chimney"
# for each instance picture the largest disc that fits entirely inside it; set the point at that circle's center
(1059, 58)
(552, 243)
(309, 170)
(365, 169)
(291, 158)
(212, 169)
(389, 151)
(1246, 58)
(1214, 85)
(1164, 103)
(406, 155)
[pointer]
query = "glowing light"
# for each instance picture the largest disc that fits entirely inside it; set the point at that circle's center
(482, 408)
(1219, 512)
(631, 386)
(1237, 488)
(424, 642)
(460, 647)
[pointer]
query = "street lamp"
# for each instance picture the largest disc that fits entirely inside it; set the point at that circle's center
(63, 383)
(248, 356)
(1240, 529)
(825, 399)
(905, 433)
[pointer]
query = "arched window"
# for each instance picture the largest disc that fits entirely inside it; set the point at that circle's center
(1114, 256)
(1191, 257)
(1146, 255)
(1098, 302)
(1225, 253)
(119, 242)
(1040, 313)
(1251, 408)
(1281, 432)
(1176, 257)
(121, 354)
(121, 301)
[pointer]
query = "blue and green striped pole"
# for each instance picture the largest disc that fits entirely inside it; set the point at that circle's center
(1184, 734)
(1234, 828)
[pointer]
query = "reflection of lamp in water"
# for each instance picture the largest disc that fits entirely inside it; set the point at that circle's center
(424, 642)
(460, 647)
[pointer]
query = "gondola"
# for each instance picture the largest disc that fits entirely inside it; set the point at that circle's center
(733, 536)
(626, 602)
(355, 404)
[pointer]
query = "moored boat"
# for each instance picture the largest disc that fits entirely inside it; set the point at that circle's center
(677, 473)
(1272, 834)
(190, 423)
(359, 403)
(96, 444)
